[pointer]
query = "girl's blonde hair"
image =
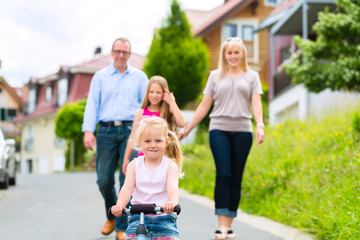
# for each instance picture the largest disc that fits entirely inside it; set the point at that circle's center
(173, 150)
(228, 44)
(165, 112)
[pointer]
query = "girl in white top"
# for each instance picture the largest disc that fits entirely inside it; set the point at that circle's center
(153, 178)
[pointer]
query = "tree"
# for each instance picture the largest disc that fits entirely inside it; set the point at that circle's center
(333, 60)
(68, 126)
(177, 56)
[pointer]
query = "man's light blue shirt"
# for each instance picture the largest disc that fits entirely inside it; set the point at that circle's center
(114, 96)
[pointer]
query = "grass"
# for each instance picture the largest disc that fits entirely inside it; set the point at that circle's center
(304, 175)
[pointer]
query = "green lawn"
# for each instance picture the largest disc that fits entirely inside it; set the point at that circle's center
(304, 175)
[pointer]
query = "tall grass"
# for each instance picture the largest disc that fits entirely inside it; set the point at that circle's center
(305, 175)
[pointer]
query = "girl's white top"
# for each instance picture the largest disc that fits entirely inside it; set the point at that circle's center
(150, 183)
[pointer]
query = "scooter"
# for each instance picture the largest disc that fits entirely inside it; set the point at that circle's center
(142, 209)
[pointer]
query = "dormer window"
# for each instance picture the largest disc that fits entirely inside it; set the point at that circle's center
(62, 91)
(32, 100)
(48, 93)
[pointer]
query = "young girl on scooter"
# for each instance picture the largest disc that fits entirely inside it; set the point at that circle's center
(153, 178)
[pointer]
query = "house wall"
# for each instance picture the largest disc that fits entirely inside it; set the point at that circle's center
(46, 157)
(292, 103)
(7, 101)
(296, 102)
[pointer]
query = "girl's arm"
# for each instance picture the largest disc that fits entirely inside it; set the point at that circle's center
(178, 116)
(200, 113)
(258, 115)
(172, 188)
(126, 191)
(130, 143)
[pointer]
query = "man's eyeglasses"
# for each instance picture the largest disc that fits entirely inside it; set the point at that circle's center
(236, 39)
(118, 52)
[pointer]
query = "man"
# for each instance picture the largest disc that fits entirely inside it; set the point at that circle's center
(115, 94)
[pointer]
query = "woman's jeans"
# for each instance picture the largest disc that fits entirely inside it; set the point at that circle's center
(230, 151)
(111, 144)
(159, 227)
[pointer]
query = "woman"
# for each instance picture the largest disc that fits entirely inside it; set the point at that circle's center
(234, 88)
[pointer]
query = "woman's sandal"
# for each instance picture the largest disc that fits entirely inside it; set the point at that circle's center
(220, 235)
(230, 234)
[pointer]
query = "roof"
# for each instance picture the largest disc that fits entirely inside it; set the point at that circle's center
(204, 21)
(91, 66)
(11, 90)
(287, 18)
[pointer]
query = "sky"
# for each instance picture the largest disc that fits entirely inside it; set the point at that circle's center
(39, 36)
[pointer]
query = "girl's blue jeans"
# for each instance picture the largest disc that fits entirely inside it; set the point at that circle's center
(111, 143)
(230, 151)
(159, 228)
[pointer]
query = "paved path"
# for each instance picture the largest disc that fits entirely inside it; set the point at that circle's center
(69, 206)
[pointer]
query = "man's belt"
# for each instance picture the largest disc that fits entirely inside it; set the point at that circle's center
(117, 123)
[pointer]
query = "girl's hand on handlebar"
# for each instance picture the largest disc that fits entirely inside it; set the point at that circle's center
(168, 207)
(117, 210)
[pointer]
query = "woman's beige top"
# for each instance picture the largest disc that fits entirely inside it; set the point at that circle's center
(232, 100)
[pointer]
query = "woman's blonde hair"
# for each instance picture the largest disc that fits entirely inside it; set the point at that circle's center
(228, 44)
(173, 150)
(165, 112)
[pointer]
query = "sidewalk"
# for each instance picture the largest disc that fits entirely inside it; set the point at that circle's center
(197, 221)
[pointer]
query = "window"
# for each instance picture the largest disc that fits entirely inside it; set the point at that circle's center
(244, 28)
(48, 93)
(271, 2)
(285, 53)
(230, 30)
(32, 100)
(248, 38)
(11, 114)
(29, 143)
(60, 142)
(62, 91)
(7, 114)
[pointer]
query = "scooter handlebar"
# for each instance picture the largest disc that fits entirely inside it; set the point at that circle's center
(146, 209)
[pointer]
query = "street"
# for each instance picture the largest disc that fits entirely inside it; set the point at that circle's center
(69, 206)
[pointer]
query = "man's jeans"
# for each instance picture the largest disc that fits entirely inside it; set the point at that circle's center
(111, 144)
(230, 151)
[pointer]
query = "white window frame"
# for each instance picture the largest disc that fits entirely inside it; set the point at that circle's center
(248, 22)
(32, 100)
(48, 93)
(62, 91)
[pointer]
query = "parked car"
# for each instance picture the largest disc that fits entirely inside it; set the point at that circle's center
(7, 162)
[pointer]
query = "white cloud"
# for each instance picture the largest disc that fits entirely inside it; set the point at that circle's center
(38, 36)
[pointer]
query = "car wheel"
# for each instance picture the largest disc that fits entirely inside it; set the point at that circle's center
(5, 184)
(12, 181)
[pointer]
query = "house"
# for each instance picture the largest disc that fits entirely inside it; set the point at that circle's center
(296, 17)
(41, 151)
(10, 104)
(235, 18)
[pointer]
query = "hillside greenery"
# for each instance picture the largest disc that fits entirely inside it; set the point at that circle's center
(305, 175)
